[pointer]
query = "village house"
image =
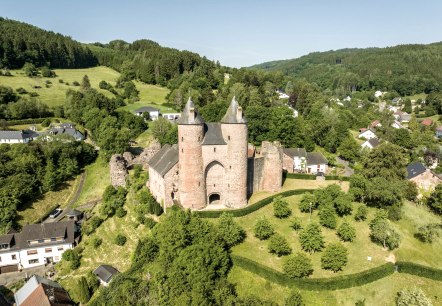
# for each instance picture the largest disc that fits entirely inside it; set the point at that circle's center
(424, 178)
(153, 112)
(427, 122)
(13, 137)
(378, 94)
(439, 132)
(172, 116)
(105, 273)
(396, 100)
(282, 95)
(36, 245)
(375, 124)
(316, 163)
(370, 144)
(43, 292)
(298, 160)
(367, 133)
(60, 131)
(397, 125)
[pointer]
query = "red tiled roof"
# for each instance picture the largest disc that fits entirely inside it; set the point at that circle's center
(427, 122)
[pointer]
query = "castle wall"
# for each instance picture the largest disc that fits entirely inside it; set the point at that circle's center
(192, 185)
(235, 136)
(157, 185)
(267, 168)
(215, 164)
(171, 183)
(287, 163)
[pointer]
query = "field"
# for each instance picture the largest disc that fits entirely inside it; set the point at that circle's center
(150, 95)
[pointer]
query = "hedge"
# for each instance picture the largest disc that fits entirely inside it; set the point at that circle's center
(252, 208)
(419, 270)
(302, 176)
(333, 283)
(26, 121)
(337, 178)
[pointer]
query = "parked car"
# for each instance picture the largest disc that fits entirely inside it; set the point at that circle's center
(55, 213)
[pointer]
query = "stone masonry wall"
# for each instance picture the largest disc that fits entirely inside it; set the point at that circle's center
(118, 170)
(271, 179)
(287, 163)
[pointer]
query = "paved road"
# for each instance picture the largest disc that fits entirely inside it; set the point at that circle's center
(347, 170)
(12, 277)
(71, 201)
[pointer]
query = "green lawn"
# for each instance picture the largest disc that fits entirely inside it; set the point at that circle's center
(381, 292)
(415, 97)
(97, 179)
(150, 95)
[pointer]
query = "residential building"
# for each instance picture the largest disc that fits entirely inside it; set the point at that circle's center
(427, 122)
(439, 132)
(316, 163)
(105, 273)
(42, 292)
(375, 124)
(397, 125)
(378, 93)
(282, 95)
(424, 178)
(367, 134)
(396, 100)
(13, 137)
(294, 160)
(172, 116)
(36, 245)
(370, 144)
(153, 112)
(65, 130)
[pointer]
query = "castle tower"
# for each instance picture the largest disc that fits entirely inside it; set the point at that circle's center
(234, 130)
(190, 134)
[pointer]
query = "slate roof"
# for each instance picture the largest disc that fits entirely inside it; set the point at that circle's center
(295, 152)
(185, 115)
(374, 142)
(34, 292)
(427, 122)
(316, 158)
(64, 229)
(24, 134)
(146, 109)
(415, 169)
(165, 159)
(105, 272)
(213, 134)
(231, 114)
(65, 131)
(6, 239)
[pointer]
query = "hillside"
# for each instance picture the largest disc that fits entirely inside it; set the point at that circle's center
(407, 69)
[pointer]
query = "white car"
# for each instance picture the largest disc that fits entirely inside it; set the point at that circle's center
(55, 213)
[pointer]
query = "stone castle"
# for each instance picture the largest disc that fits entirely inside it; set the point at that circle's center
(213, 163)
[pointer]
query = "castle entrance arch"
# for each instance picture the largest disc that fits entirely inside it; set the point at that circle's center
(214, 175)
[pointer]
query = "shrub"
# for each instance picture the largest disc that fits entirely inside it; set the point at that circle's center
(297, 265)
(92, 282)
(361, 213)
(281, 208)
(395, 212)
(346, 231)
(96, 242)
(412, 297)
(46, 122)
(296, 223)
(83, 292)
(334, 257)
(22, 91)
(91, 225)
(231, 232)
(294, 299)
(74, 83)
(120, 212)
(279, 245)
(383, 233)
(311, 238)
(120, 240)
(149, 223)
(60, 81)
(427, 233)
(343, 205)
(263, 229)
(327, 216)
(308, 203)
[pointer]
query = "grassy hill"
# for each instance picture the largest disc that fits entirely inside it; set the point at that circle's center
(408, 69)
(56, 92)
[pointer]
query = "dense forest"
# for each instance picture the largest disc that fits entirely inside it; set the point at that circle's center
(21, 43)
(406, 69)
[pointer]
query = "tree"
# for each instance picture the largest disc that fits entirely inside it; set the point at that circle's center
(85, 83)
(435, 200)
(120, 240)
(281, 208)
(427, 233)
(407, 106)
(296, 223)
(412, 297)
(334, 257)
(387, 161)
(279, 245)
(231, 232)
(311, 238)
(383, 233)
(294, 299)
(83, 290)
(46, 72)
(343, 205)
(8, 210)
(327, 216)
(30, 70)
(349, 149)
(308, 203)
(163, 130)
(297, 265)
(263, 229)
(346, 231)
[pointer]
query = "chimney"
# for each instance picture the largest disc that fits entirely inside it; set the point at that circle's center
(239, 113)
(192, 114)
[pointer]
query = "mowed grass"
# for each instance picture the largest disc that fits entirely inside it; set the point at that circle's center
(97, 179)
(359, 249)
(34, 211)
(150, 95)
(380, 292)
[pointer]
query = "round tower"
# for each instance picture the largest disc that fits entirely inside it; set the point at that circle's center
(234, 129)
(192, 188)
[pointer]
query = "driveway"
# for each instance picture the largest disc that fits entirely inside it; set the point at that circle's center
(347, 170)
(13, 277)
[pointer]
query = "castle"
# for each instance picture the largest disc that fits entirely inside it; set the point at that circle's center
(213, 163)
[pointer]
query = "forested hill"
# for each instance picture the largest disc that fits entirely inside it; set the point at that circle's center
(404, 68)
(21, 42)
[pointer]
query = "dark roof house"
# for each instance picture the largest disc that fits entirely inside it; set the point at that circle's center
(165, 159)
(295, 152)
(316, 158)
(415, 169)
(105, 273)
(18, 135)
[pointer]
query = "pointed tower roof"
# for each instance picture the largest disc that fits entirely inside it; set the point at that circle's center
(190, 115)
(234, 113)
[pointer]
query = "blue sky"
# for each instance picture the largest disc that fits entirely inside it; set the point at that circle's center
(239, 33)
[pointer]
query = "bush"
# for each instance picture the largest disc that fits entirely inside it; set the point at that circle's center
(47, 73)
(395, 212)
(412, 297)
(74, 83)
(149, 223)
(83, 290)
(383, 233)
(427, 233)
(120, 212)
(46, 123)
(301, 176)
(308, 203)
(279, 245)
(361, 213)
(263, 229)
(327, 216)
(120, 240)
(296, 223)
(419, 270)
(334, 257)
(343, 205)
(346, 232)
(60, 81)
(281, 208)
(91, 225)
(96, 242)
(294, 299)
(297, 266)
(311, 238)
(22, 91)
(231, 232)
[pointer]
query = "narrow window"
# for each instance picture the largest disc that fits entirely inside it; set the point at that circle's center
(182, 138)
(182, 150)
(214, 149)
(213, 185)
(230, 167)
(199, 184)
(228, 137)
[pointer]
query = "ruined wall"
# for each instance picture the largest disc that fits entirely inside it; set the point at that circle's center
(118, 170)
(267, 172)
(287, 163)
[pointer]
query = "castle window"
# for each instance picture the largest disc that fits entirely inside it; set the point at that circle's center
(214, 149)
(213, 185)
(230, 167)
(182, 150)
(199, 138)
(199, 184)
(182, 138)
(228, 137)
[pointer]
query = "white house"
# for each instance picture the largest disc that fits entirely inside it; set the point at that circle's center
(370, 144)
(36, 245)
(23, 136)
(347, 98)
(67, 132)
(367, 134)
(282, 95)
(295, 112)
(294, 159)
(397, 125)
(154, 113)
(172, 116)
(316, 162)
(378, 93)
